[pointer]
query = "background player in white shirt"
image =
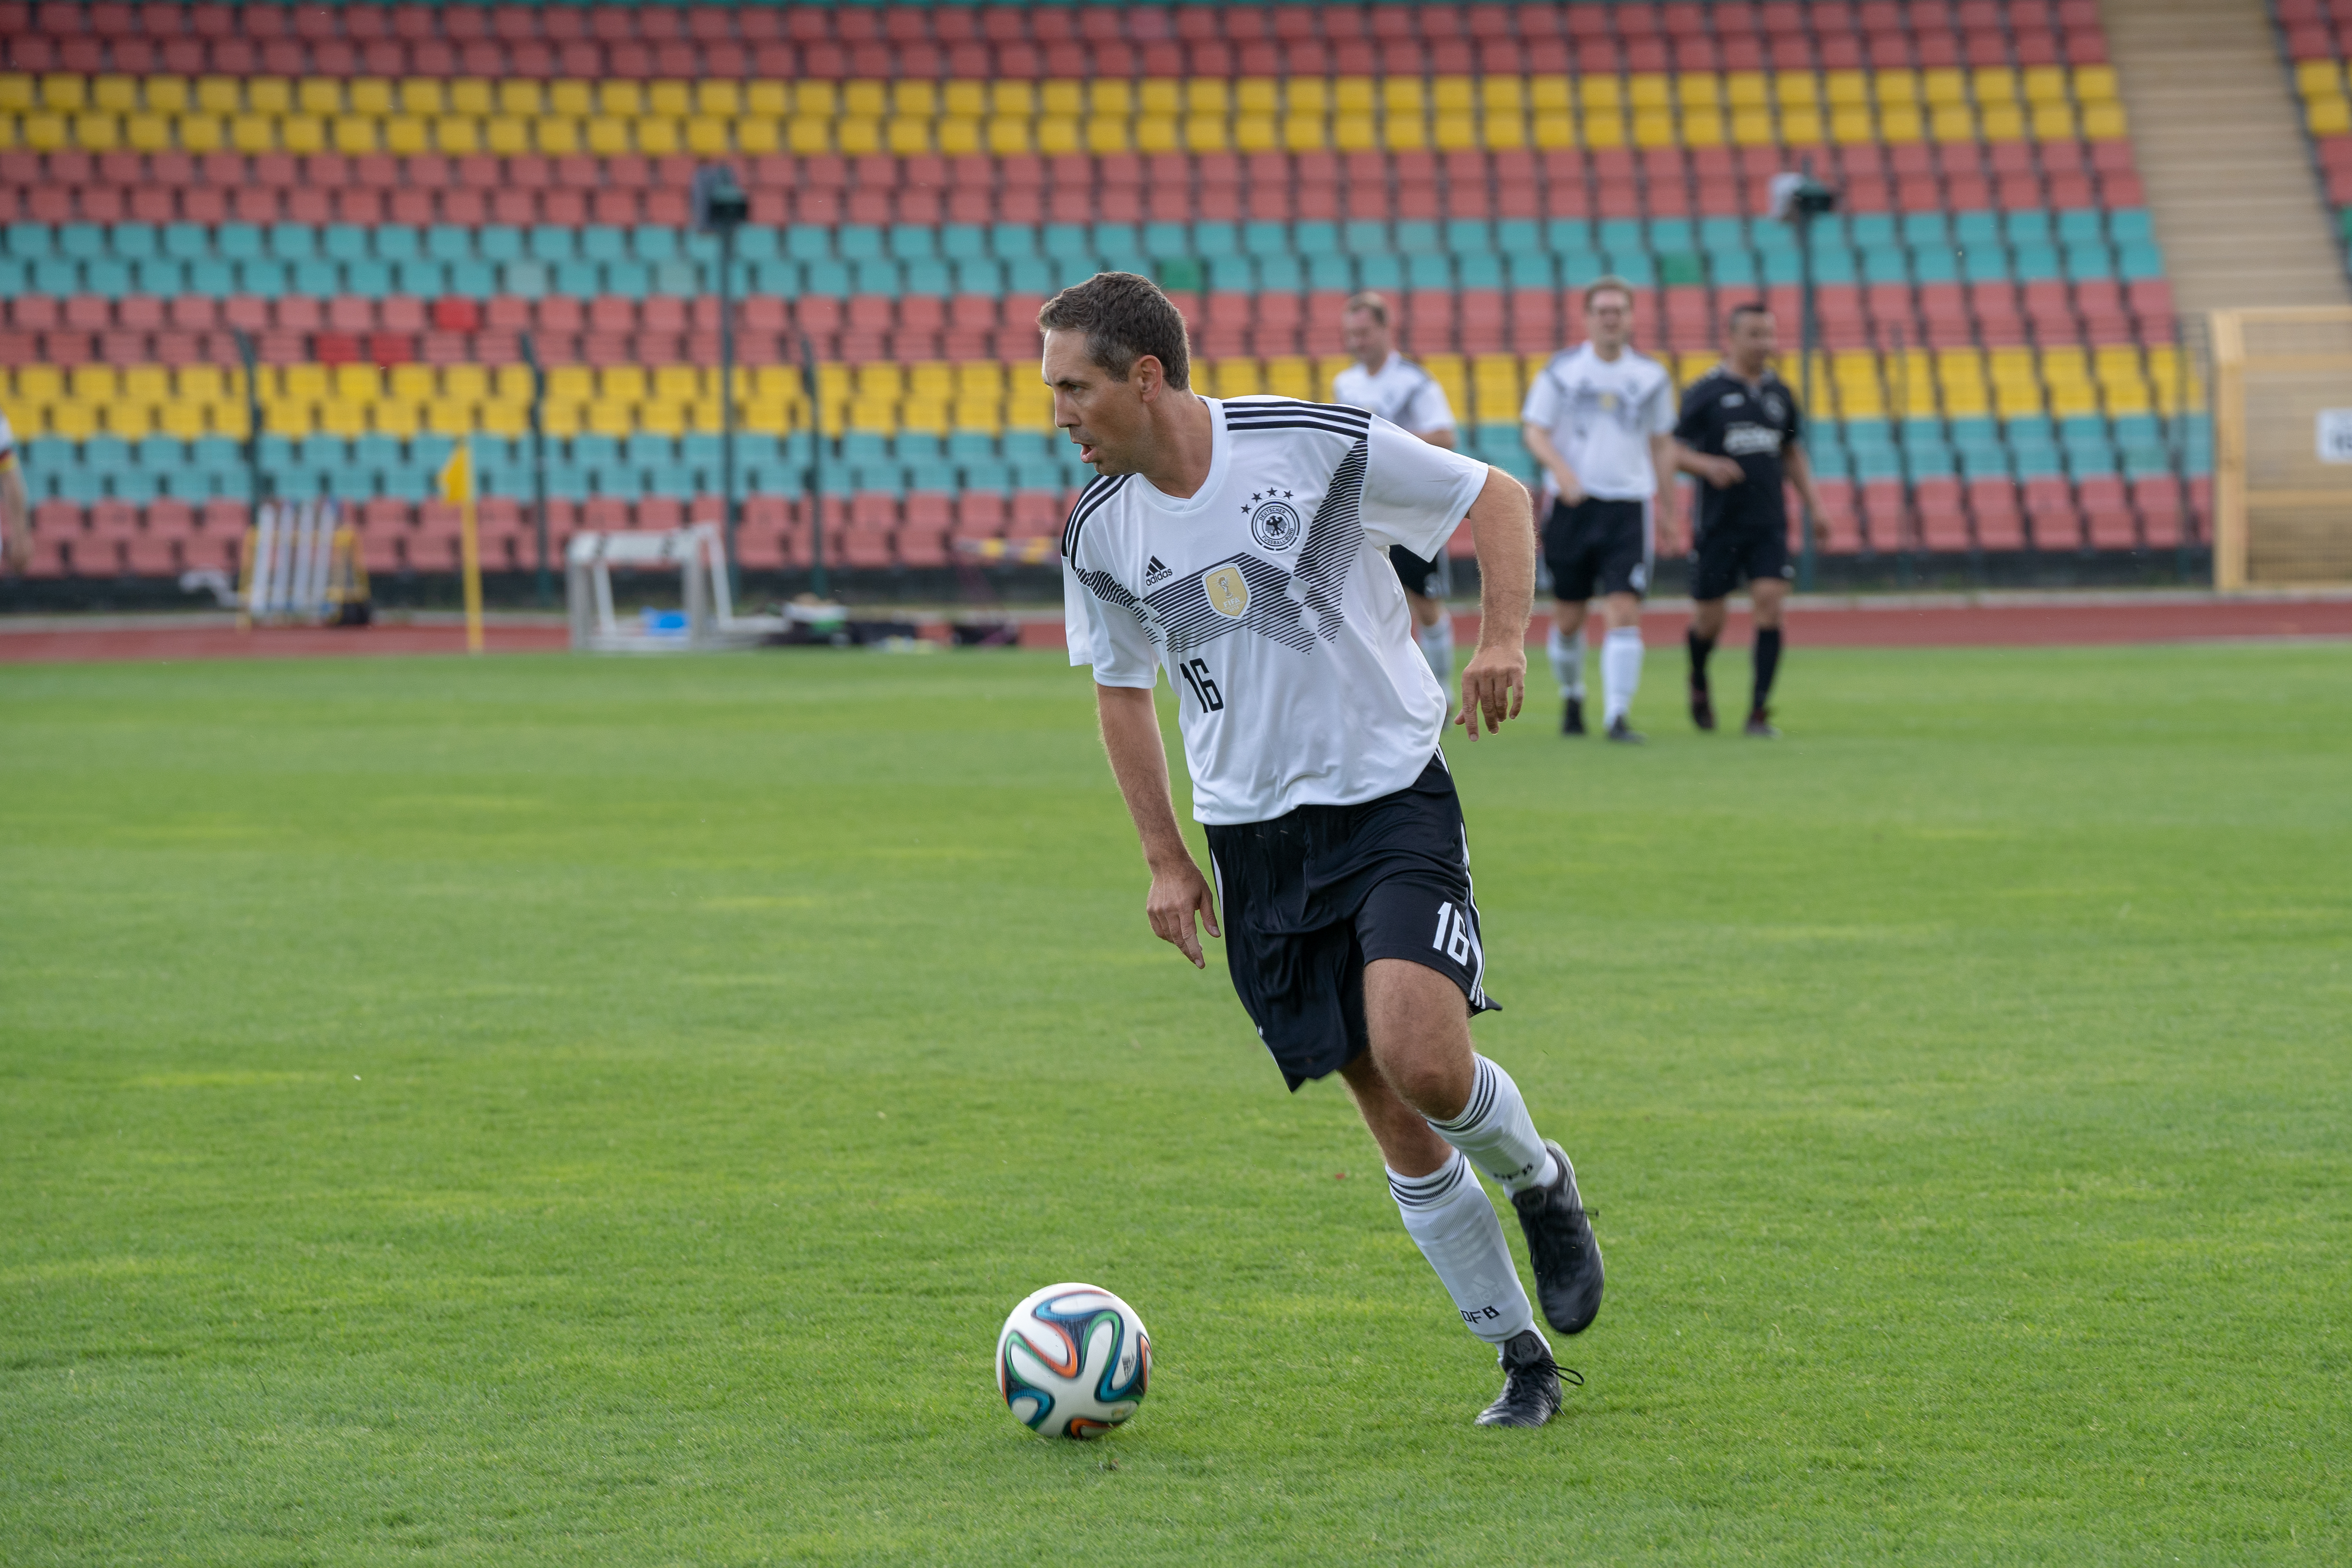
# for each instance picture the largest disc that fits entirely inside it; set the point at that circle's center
(1406, 395)
(1238, 543)
(15, 510)
(1601, 419)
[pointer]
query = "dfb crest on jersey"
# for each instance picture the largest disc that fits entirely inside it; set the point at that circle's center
(1229, 591)
(1773, 409)
(1274, 525)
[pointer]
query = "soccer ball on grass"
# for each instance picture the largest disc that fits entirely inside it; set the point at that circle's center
(1073, 1360)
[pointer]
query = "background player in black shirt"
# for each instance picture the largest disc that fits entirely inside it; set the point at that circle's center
(1740, 432)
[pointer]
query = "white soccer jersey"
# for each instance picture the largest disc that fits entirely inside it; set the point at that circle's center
(1601, 413)
(1269, 598)
(1400, 391)
(7, 443)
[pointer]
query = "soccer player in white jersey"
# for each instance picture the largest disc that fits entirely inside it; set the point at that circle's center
(15, 510)
(1601, 419)
(1238, 545)
(1408, 396)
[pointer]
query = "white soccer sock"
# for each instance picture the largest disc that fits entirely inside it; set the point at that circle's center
(1568, 662)
(1437, 647)
(1620, 670)
(1448, 1216)
(1496, 1132)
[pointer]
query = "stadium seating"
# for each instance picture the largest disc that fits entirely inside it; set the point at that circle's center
(2316, 37)
(388, 198)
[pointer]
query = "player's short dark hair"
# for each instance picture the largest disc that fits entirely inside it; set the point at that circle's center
(1604, 284)
(1124, 318)
(1745, 307)
(1375, 305)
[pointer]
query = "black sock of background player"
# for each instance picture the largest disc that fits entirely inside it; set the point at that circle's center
(1699, 648)
(1768, 665)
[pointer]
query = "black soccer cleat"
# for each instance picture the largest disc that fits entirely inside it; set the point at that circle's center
(1571, 717)
(1559, 1245)
(1531, 1393)
(1760, 726)
(1624, 734)
(1701, 706)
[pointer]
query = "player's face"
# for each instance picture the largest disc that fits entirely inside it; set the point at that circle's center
(1106, 416)
(1610, 320)
(1753, 343)
(1367, 338)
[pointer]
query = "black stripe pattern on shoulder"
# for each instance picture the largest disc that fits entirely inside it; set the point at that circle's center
(1296, 414)
(1090, 500)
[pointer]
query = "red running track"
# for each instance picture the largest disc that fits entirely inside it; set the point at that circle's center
(1995, 621)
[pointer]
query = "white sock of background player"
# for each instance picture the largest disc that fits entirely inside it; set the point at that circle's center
(1448, 1216)
(1437, 647)
(1496, 1132)
(1568, 663)
(1620, 670)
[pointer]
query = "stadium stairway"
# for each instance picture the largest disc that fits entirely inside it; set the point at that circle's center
(2229, 186)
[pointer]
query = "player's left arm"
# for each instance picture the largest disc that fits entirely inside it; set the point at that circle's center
(16, 518)
(1801, 474)
(1662, 464)
(1503, 528)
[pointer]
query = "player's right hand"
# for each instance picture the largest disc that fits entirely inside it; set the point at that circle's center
(1178, 893)
(1721, 472)
(1569, 489)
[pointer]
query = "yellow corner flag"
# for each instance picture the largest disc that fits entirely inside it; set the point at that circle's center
(457, 486)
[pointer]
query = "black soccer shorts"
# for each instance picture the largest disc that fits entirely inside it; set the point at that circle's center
(1728, 556)
(1411, 571)
(1597, 547)
(1311, 896)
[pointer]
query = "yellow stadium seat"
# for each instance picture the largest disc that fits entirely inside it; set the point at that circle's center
(1553, 128)
(1155, 133)
(621, 99)
(457, 134)
(670, 97)
(339, 416)
(563, 419)
(507, 135)
(1600, 92)
(269, 95)
(1255, 133)
(658, 135)
(2095, 84)
(1014, 100)
(320, 95)
(1407, 132)
(219, 94)
(870, 99)
(1649, 92)
(2002, 122)
(1354, 95)
(472, 95)
(607, 137)
(1603, 127)
(1057, 133)
(371, 95)
(164, 94)
(707, 136)
(1747, 89)
(203, 382)
(354, 134)
(395, 417)
(1106, 133)
(118, 94)
(1454, 132)
(1008, 135)
(818, 98)
(1206, 132)
(248, 133)
(1896, 88)
(73, 419)
(874, 412)
(95, 382)
(1305, 132)
(1793, 90)
(1801, 127)
(1753, 127)
(97, 130)
(17, 93)
(1993, 84)
(302, 133)
(663, 417)
(404, 134)
(1699, 89)
(609, 417)
(131, 421)
(199, 132)
(1256, 95)
(724, 99)
(1942, 87)
(755, 136)
(1900, 124)
(1952, 122)
(1502, 95)
(576, 98)
(2122, 384)
(2053, 121)
(2328, 116)
(1290, 375)
(1852, 127)
(1402, 95)
(2104, 123)
(1109, 96)
(1846, 89)
(184, 420)
(1355, 132)
(1454, 94)
(907, 135)
(1702, 128)
(806, 133)
(2319, 79)
(1160, 95)
(450, 416)
(146, 384)
(1501, 128)
(976, 413)
(522, 97)
(2043, 84)
(423, 96)
(64, 92)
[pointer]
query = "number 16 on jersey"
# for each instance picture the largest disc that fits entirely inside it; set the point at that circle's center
(1205, 687)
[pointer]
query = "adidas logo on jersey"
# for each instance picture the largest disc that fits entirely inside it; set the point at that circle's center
(1155, 571)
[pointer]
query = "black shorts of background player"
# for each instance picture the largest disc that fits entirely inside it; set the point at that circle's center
(1740, 434)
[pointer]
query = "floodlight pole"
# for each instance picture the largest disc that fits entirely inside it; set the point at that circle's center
(542, 591)
(256, 484)
(812, 490)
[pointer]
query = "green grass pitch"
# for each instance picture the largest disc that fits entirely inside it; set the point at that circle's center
(545, 1110)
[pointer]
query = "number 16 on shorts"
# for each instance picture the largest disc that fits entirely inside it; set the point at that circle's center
(1454, 938)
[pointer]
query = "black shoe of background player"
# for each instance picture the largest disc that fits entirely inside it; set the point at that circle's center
(1760, 726)
(1531, 1393)
(1559, 1245)
(1625, 734)
(1701, 706)
(1571, 717)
